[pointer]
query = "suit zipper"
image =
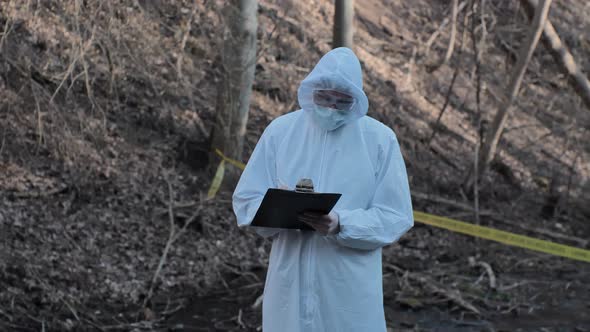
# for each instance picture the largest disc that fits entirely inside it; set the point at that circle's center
(322, 162)
(312, 242)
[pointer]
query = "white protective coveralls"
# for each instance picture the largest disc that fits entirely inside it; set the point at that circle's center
(334, 282)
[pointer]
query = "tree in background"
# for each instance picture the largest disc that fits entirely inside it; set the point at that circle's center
(561, 54)
(492, 138)
(235, 89)
(343, 17)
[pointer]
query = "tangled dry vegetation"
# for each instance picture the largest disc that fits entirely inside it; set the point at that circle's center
(100, 139)
(104, 115)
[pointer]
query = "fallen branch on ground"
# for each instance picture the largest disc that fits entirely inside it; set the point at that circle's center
(40, 194)
(453, 295)
(487, 268)
(442, 200)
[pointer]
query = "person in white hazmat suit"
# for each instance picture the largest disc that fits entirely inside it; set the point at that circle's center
(329, 279)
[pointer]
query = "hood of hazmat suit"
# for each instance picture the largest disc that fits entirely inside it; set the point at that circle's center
(334, 282)
(339, 70)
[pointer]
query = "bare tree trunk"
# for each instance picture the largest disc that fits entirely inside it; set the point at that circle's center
(436, 33)
(562, 55)
(454, 11)
(492, 138)
(343, 18)
(452, 84)
(451, 48)
(235, 89)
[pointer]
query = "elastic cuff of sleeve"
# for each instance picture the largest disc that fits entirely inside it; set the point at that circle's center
(343, 222)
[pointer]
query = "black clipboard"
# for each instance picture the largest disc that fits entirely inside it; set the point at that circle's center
(279, 208)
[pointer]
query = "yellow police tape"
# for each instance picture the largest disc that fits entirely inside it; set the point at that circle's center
(503, 237)
(452, 225)
(231, 161)
(218, 178)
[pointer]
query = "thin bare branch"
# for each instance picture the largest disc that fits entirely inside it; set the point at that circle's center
(488, 150)
(443, 24)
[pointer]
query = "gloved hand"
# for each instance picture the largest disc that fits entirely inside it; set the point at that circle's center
(325, 224)
(282, 185)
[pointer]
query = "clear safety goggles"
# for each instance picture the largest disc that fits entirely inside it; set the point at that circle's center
(333, 99)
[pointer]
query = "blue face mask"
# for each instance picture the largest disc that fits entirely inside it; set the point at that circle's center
(330, 119)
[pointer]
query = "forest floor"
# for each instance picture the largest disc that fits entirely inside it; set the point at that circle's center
(105, 113)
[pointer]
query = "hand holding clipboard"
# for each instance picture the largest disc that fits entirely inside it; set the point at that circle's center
(280, 208)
